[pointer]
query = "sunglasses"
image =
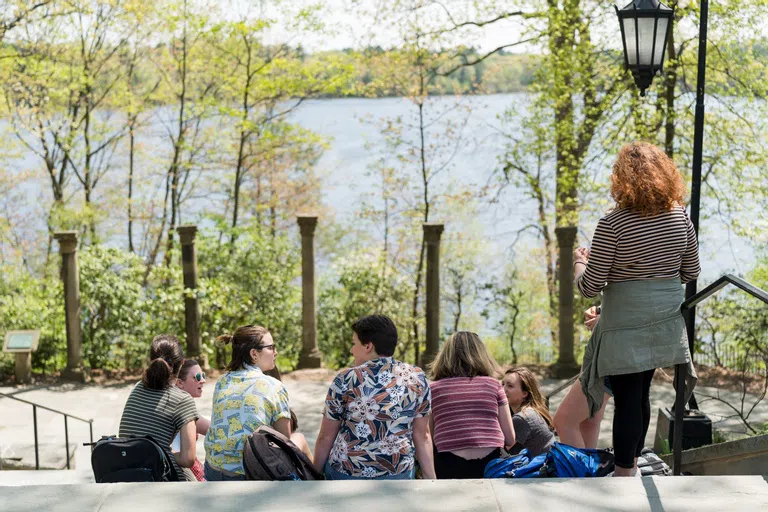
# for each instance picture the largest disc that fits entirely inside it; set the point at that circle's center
(200, 376)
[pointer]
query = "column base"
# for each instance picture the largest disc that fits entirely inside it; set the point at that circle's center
(564, 369)
(311, 359)
(75, 375)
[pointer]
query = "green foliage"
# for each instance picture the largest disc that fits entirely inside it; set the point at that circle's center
(254, 281)
(114, 308)
(361, 285)
(30, 303)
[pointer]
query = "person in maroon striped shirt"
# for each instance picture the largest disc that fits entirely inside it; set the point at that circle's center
(642, 252)
(471, 421)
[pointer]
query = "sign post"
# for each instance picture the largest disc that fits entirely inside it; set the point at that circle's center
(22, 343)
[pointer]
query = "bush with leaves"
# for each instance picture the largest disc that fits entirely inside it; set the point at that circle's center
(27, 302)
(114, 315)
(256, 280)
(360, 285)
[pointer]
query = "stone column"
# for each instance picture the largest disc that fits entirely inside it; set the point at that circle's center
(191, 304)
(432, 232)
(70, 276)
(310, 356)
(566, 365)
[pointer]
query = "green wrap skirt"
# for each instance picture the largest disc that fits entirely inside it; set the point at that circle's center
(640, 328)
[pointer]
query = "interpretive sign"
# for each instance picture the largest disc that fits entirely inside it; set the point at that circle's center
(21, 341)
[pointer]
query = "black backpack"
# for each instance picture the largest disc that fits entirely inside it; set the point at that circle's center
(269, 455)
(132, 459)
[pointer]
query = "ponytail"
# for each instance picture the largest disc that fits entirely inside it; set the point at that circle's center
(158, 374)
(243, 340)
(166, 358)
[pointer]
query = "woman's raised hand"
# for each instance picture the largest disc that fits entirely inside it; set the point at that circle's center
(581, 255)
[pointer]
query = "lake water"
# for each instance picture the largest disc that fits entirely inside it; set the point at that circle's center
(356, 144)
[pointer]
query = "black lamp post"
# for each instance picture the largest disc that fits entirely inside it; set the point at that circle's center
(644, 21)
(645, 26)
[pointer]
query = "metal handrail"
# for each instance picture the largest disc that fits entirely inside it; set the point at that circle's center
(66, 425)
(721, 283)
(680, 369)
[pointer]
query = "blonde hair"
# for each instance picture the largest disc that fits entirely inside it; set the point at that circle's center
(535, 400)
(464, 355)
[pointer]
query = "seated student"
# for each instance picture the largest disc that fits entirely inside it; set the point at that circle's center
(532, 421)
(471, 421)
(191, 379)
(375, 421)
(157, 408)
(244, 399)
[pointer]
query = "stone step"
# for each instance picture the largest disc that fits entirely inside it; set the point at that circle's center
(670, 494)
(21, 456)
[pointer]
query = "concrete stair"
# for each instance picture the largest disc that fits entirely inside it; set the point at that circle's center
(700, 494)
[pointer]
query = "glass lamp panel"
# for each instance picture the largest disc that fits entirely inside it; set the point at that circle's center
(661, 35)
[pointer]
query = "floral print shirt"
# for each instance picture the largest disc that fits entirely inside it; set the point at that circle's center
(376, 403)
(243, 401)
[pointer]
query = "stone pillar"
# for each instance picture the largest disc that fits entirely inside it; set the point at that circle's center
(70, 276)
(310, 356)
(566, 365)
(432, 232)
(191, 304)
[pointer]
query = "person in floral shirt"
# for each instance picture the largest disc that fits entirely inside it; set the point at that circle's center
(376, 419)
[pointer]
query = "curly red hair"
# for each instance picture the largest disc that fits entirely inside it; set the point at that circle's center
(646, 180)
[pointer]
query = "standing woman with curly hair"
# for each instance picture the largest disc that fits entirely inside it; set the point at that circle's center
(642, 251)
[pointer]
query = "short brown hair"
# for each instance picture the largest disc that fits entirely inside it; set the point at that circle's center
(464, 355)
(646, 180)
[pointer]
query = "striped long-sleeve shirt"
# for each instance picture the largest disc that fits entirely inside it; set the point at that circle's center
(629, 247)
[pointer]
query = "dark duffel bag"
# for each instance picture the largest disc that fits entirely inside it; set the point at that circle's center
(269, 455)
(132, 459)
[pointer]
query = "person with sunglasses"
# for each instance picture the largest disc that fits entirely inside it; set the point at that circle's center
(191, 379)
(245, 398)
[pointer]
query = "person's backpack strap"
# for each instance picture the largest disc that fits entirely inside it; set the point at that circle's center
(299, 459)
(169, 472)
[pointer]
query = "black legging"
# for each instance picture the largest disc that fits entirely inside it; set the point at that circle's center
(451, 466)
(632, 415)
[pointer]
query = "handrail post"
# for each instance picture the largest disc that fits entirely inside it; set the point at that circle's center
(66, 438)
(34, 420)
(677, 434)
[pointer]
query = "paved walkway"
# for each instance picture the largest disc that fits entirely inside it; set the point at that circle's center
(105, 404)
(668, 494)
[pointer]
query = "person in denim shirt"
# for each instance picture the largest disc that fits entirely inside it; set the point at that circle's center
(376, 419)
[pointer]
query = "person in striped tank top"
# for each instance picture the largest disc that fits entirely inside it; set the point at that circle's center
(156, 407)
(642, 251)
(471, 421)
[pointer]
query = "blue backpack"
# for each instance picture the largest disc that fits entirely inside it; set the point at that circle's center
(561, 461)
(517, 466)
